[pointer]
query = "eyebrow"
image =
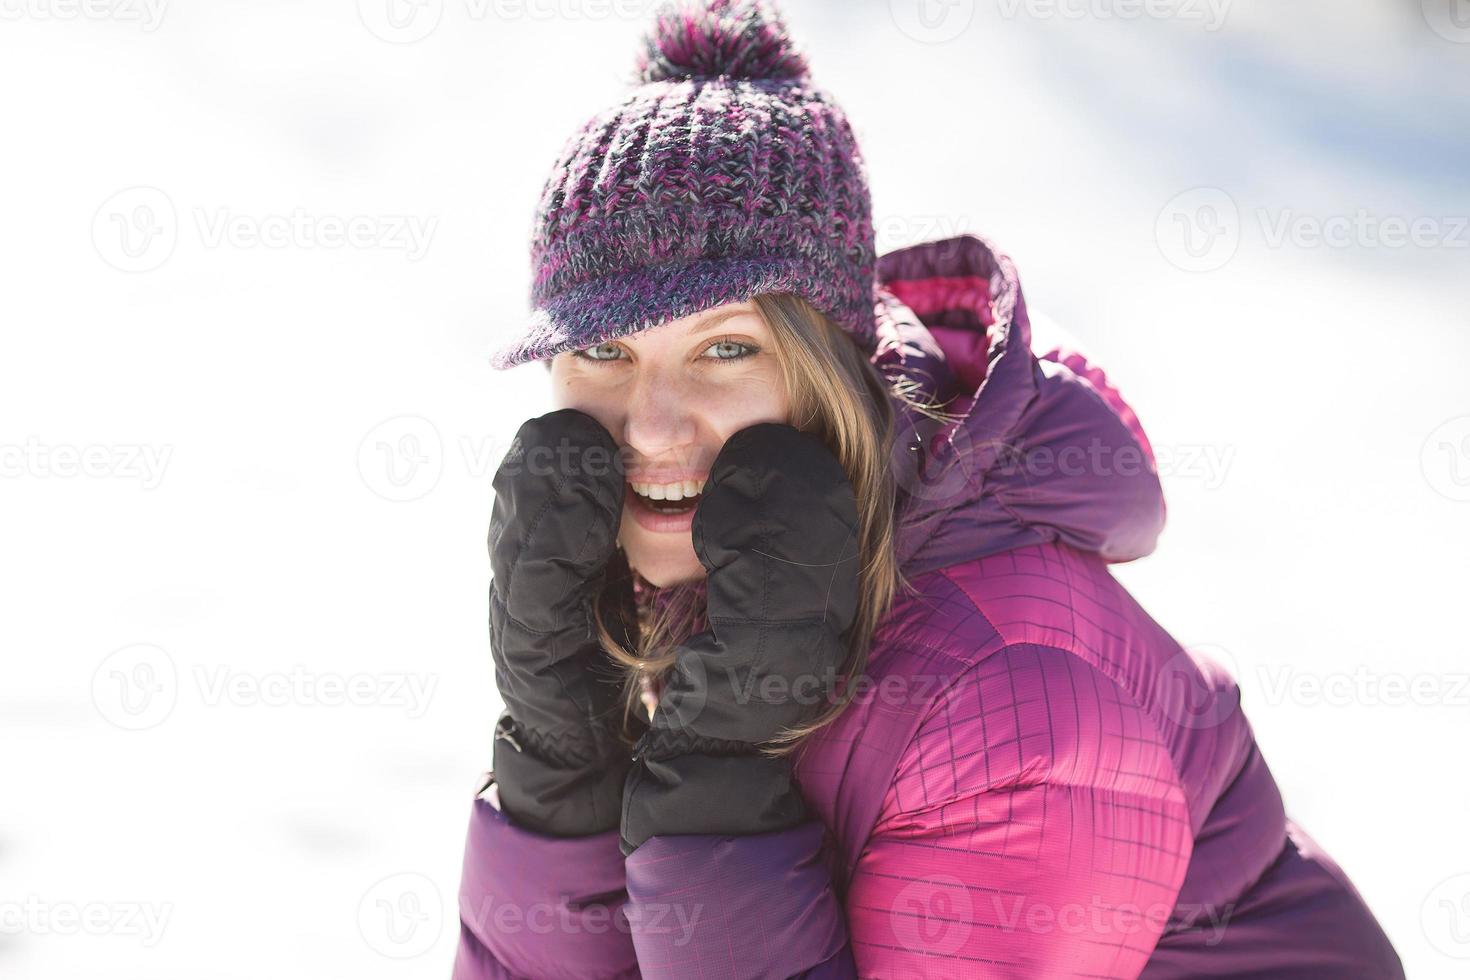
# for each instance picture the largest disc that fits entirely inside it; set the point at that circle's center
(714, 320)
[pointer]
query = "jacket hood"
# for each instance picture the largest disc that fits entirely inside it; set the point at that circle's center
(1035, 445)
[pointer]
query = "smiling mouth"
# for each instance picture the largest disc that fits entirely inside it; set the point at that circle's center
(673, 498)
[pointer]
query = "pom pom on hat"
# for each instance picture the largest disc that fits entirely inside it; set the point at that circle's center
(724, 172)
(708, 38)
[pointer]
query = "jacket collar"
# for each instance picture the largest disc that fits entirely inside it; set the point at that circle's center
(1035, 448)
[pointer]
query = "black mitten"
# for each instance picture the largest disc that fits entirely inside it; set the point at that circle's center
(776, 530)
(553, 547)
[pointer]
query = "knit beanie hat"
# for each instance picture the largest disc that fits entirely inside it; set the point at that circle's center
(724, 173)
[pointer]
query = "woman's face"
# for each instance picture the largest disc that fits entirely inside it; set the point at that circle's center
(671, 395)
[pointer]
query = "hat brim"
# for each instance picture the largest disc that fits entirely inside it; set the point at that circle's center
(600, 310)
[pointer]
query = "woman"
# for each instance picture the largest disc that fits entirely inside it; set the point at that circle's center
(843, 530)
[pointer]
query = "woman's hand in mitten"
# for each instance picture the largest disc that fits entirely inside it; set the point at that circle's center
(776, 530)
(553, 547)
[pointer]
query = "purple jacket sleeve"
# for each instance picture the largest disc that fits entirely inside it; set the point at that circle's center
(537, 906)
(722, 908)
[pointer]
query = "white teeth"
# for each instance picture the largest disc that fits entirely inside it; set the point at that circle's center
(669, 491)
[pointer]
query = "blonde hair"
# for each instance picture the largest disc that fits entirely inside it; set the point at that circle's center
(836, 394)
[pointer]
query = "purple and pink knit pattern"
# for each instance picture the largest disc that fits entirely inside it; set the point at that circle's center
(724, 174)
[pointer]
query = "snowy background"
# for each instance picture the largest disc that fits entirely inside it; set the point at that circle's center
(254, 255)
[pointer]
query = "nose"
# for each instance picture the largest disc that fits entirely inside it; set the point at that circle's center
(659, 423)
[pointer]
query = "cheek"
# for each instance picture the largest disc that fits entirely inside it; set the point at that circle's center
(567, 391)
(745, 401)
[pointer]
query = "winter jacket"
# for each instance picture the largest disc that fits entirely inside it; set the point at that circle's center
(1038, 780)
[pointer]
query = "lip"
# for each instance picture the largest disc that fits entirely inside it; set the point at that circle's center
(650, 520)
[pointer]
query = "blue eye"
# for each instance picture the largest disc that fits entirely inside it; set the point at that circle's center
(600, 352)
(733, 350)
